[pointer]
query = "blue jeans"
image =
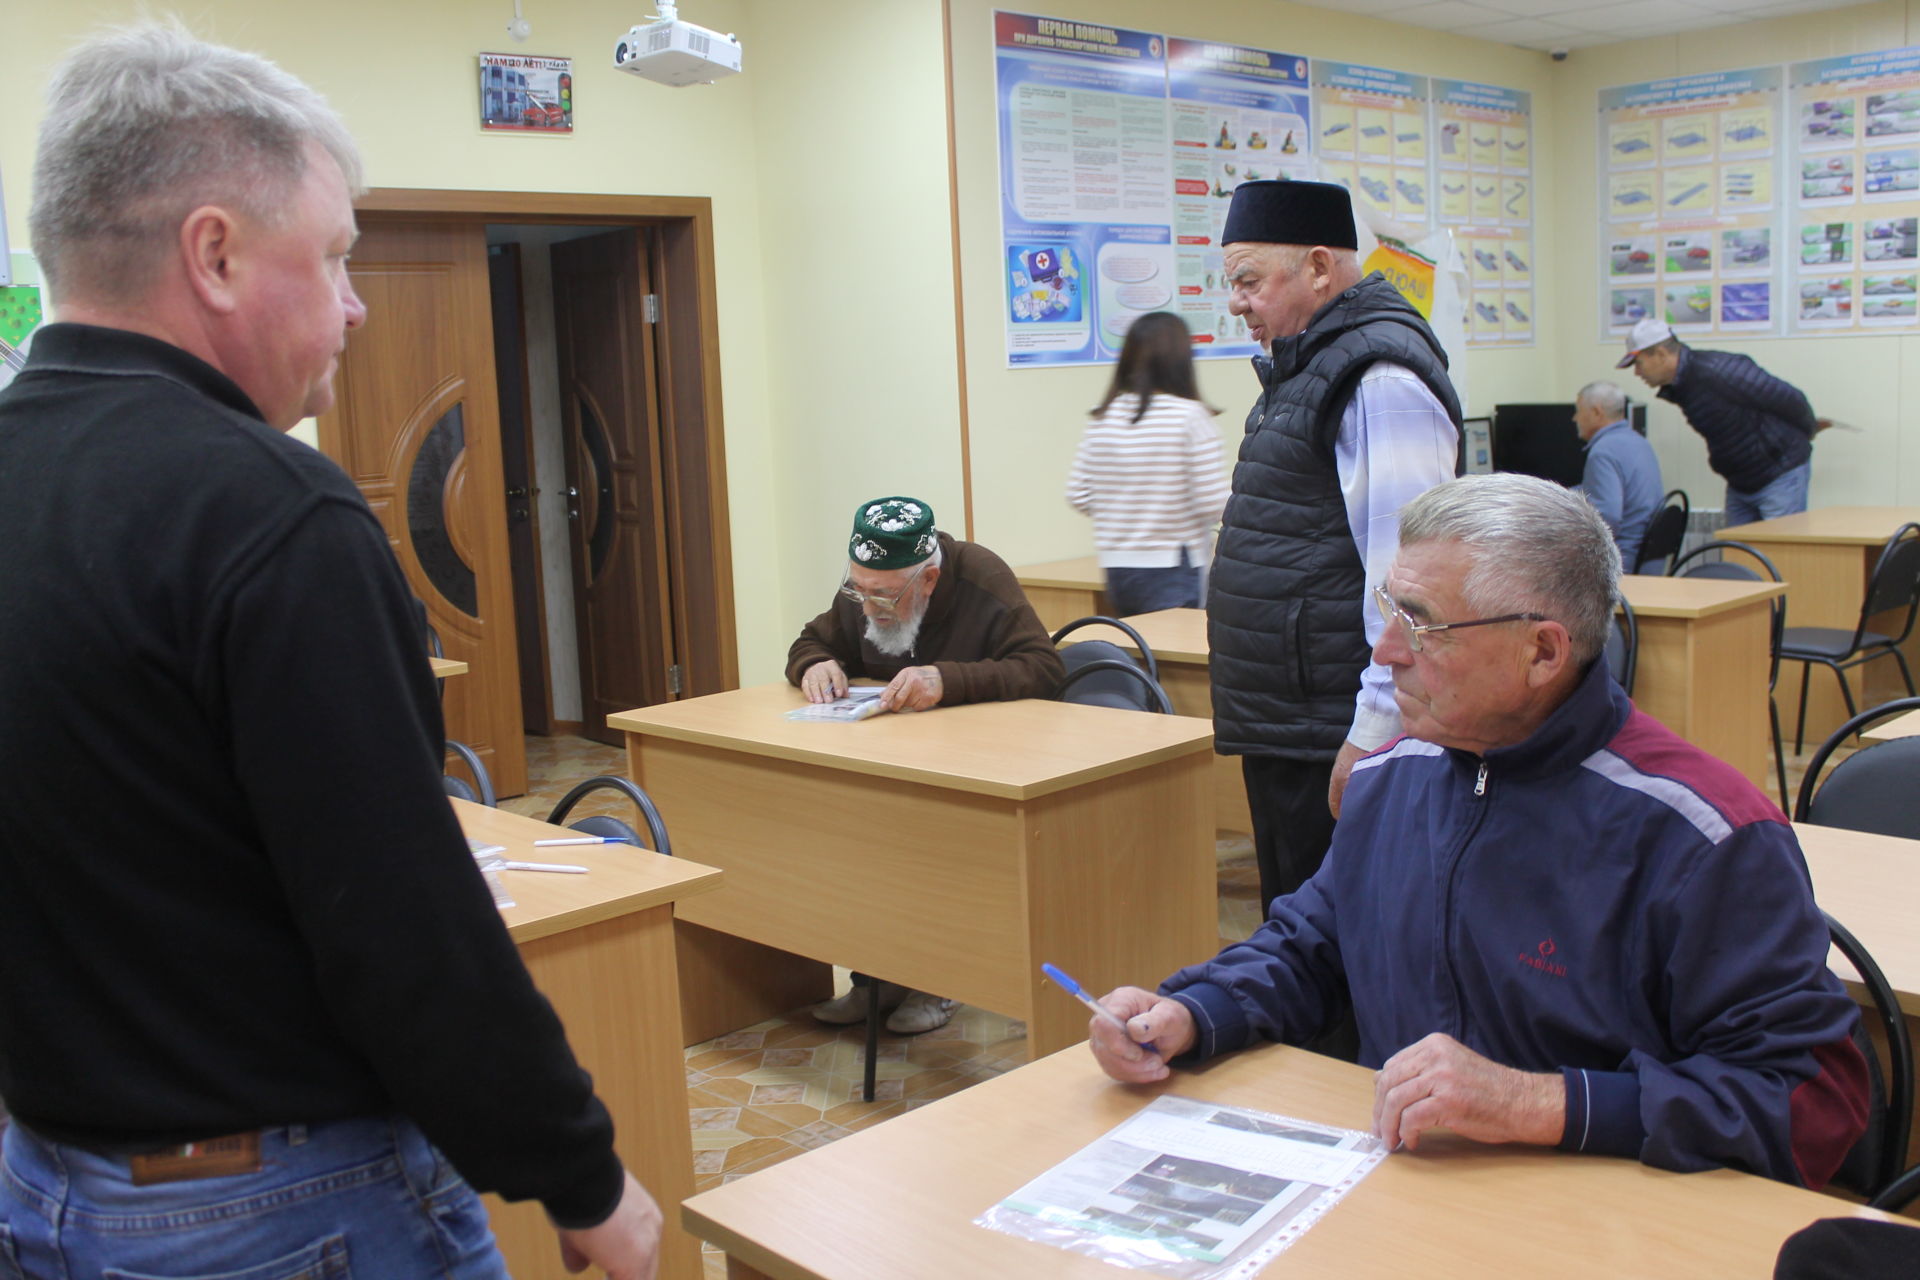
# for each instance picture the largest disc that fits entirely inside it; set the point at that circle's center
(1784, 495)
(1131, 591)
(370, 1198)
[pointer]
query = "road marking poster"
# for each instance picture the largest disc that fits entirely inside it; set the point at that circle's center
(1483, 149)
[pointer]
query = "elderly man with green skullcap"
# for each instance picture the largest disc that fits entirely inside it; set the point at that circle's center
(943, 622)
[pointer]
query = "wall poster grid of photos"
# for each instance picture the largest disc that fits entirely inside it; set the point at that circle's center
(1120, 151)
(1768, 201)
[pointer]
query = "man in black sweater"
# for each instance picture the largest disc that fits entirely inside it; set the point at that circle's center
(1759, 429)
(251, 984)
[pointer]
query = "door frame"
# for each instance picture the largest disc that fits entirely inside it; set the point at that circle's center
(688, 355)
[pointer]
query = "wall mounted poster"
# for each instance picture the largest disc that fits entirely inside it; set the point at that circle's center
(1855, 180)
(1239, 115)
(1373, 126)
(526, 93)
(1119, 151)
(1689, 213)
(1483, 152)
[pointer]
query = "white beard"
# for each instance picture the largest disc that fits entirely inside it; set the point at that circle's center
(897, 638)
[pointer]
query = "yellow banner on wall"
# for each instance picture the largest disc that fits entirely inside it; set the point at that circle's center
(1409, 272)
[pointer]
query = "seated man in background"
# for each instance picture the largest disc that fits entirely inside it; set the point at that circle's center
(1560, 923)
(1622, 477)
(943, 622)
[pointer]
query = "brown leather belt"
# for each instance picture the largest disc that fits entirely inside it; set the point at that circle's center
(209, 1158)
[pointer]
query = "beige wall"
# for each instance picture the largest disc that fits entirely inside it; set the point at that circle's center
(1868, 381)
(1025, 423)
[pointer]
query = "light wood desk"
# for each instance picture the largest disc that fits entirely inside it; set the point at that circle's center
(902, 1195)
(1062, 590)
(1826, 557)
(951, 850)
(444, 667)
(600, 948)
(1900, 726)
(1866, 883)
(1703, 662)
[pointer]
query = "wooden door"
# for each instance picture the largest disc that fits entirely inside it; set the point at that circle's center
(522, 495)
(616, 516)
(417, 425)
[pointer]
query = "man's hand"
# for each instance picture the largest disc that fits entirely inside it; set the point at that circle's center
(823, 681)
(1439, 1083)
(626, 1246)
(1166, 1024)
(1342, 770)
(914, 689)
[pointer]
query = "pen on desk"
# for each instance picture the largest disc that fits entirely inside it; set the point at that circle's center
(583, 840)
(567, 867)
(1073, 989)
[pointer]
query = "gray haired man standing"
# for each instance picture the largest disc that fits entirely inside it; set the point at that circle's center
(258, 1010)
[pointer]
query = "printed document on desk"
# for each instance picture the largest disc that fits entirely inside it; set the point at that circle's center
(860, 702)
(1190, 1189)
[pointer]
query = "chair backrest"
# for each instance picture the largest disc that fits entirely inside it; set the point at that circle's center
(1623, 647)
(1874, 1164)
(1693, 565)
(1112, 682)
(1895, 583)
(1146, 653)
(1872, 789)
(481, 790)
(1666, 531)
(602, 825)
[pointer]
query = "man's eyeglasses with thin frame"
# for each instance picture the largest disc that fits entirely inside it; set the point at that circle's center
(1392, 612)
(886, 600)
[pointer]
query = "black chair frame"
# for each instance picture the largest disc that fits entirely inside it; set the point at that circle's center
(1666, 532)
(1884, 593)
(1898, 1122)
(1629, 628)
(1776, 629)
(1810, 781)
(458, 786)
(1146, 653)
(649, 812)
(1155, 694)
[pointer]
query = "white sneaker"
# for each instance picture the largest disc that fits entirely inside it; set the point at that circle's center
(919, 1012)
(852, 1007)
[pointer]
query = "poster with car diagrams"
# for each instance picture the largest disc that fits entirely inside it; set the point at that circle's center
(1484, 174)
(1373, 130)
(1690, 205)
(1856, 191)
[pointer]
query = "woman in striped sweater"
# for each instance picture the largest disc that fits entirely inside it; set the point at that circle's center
(1149, 472)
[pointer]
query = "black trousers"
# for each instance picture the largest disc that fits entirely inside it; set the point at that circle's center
(1292, 826)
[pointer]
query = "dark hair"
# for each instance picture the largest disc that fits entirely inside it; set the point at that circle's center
(1156, 358)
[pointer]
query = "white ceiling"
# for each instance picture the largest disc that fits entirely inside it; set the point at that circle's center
(1573, 24)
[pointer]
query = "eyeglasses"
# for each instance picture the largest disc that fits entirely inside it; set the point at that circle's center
(1392, 612)
(888, 601)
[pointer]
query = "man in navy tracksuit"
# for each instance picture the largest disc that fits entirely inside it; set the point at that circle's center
(1560, 923)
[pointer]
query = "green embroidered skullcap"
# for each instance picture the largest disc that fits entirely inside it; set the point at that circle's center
(892, 533)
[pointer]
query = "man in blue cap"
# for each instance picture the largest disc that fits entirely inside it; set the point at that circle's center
(1356, 417)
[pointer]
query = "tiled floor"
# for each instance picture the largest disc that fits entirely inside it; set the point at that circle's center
(768, 1092)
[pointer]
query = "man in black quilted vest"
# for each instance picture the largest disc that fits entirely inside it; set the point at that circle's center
(1356, 417)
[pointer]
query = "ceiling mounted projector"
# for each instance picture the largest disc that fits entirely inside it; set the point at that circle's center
(669, 51)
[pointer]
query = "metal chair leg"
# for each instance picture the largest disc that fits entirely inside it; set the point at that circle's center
(1779, 756)
(1846, 691)
(1906, 673)
(1800, 727)
(873, 1038)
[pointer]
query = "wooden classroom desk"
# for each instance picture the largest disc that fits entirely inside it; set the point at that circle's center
(1866, 882)
(903, 1194)
(1702, 667)
(1905, 725)
(1826, 557)
(1062, 590)
(950, 850)
(444, 667)
(600, 948)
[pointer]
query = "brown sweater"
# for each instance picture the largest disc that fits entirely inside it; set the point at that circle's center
(980, 633)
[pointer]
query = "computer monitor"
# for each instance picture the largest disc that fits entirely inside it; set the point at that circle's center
(1541, 440)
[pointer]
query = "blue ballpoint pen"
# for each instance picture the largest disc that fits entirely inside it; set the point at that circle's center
(583, 840)
(1073, 989)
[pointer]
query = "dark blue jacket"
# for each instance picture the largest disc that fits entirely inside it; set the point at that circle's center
(1284, 618)
(1757, 427)
(1604, 900)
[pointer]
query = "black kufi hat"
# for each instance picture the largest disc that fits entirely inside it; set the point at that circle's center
(1309, 213)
